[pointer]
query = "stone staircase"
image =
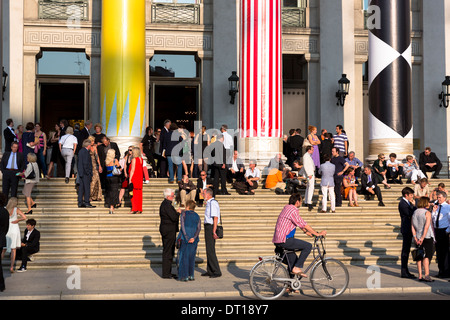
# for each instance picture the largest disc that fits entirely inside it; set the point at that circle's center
(92, 238)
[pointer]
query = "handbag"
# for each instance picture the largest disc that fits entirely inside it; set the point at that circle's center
(116, 171)
(219, 229)
(32, 174)
(306, 143)
(418, 253)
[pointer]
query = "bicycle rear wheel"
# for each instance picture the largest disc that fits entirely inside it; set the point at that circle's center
(267, 279)
(329, 278)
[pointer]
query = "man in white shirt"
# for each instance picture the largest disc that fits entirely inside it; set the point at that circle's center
(212, 218)
(228, 142)
(252, 176)
(236, 169)
(440, 219)
(395, 169)
(309, 172)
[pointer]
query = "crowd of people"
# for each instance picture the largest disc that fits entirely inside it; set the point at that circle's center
(100, 173)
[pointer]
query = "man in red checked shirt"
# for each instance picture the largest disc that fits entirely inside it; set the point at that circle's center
(288, 220)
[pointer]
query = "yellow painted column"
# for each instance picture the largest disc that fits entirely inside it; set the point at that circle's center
(123, 68)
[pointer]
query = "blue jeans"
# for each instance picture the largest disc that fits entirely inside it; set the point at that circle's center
(296, 244)
(179, 169)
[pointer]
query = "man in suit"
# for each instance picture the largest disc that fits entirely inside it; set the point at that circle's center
(218, 162)
(327, 170)
(295, 142)
(406, 209)
(308, 172)
(168, 228)
(102, 151)
(369, 186)
(85, 175)
(429, 162)
(30, 243)
(236, 168)
(11, 164)
(202, 183)
(9, 134)
(163, 140)
(4, 227)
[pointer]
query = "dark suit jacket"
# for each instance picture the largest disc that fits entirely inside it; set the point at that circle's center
(365, 183)
(163, 138)
(406, 212)
(84, 163)
(102, 152)
(81, 135)
(239, 163)
(200, 183)
(169, 218)
(4, 226)
(218, 154)
(33, 242)
(20, 161)
(9, 138)
(432, 158)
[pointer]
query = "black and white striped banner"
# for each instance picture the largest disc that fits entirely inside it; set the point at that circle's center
(390, 70)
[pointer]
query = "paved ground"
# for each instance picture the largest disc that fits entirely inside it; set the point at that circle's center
(146, 284)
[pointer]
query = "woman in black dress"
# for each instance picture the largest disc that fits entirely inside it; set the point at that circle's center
(53, 141)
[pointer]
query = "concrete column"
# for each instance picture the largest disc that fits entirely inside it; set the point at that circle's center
(261, 80)
(123, 70)
(436, 65)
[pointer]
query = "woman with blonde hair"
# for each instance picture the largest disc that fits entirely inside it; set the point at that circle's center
(95, 187)
(315, 142)
(136, 180)
(113, 171)
(13, 239)
(67, 146)
(31, 176)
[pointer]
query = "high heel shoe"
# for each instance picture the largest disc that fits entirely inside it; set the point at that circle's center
(34, 205)
(29, 212)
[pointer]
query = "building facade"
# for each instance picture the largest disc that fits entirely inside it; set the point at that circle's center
(52, 53)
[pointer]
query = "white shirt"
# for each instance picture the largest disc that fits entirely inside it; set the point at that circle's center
(227, 140)
(67, 141)
(29, 233)
(443, 216)
(234, 166)
(255, 174)
(212, 210)
(389, 162)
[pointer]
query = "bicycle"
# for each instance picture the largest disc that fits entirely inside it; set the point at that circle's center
(269, 278)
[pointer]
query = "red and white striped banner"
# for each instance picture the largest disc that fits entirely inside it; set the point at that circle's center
(261, 95)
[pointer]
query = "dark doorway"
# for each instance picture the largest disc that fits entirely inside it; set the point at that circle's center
(61, 101)
(177, 103)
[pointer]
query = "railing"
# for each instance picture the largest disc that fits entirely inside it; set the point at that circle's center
(175, 13)
(64, 9)
(293, 17)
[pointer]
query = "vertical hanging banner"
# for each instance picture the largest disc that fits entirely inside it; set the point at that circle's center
(390, 70)
(261, 69)
(123, 68)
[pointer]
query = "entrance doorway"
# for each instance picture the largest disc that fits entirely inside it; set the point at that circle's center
(179, 103)
(61, 100)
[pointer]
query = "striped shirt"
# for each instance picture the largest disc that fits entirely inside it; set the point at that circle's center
(288, 220)
(339, 141)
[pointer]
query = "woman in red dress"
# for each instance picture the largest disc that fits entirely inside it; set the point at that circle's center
(136, 178)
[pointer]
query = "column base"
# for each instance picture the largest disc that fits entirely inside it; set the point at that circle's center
(401, 147)
(260, 149)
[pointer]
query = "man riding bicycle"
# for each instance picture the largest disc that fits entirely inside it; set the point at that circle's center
(288, 220)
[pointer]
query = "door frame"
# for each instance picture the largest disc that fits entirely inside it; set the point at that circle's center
(57, 79)
(179, 82)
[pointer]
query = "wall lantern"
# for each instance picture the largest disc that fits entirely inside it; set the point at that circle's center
(234, 86)
(444, 96)
(344, 85)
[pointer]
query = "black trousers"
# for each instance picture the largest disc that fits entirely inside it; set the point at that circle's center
(212, 264)
(442, 254)
(436, 169)
(377, 191)
(84, 190)
(168, 240)
(2, 279)
(220, 174)
(10, 183)
(393, 175)
(406, 249)
(163, 166)
(24, 252)
(337, 189)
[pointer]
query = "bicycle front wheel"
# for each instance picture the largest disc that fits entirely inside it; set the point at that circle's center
(268, 279)
(329, 278)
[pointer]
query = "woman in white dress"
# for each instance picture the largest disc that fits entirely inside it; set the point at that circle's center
(13, 240)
